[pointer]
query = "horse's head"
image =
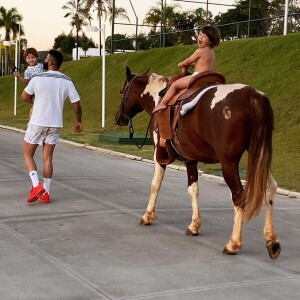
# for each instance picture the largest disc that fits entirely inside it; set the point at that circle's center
(138, 93)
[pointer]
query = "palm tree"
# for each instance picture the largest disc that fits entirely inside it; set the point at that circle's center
(10, 20)
(101, 8)
(153, 17)
(165, 16)
(78, 16)
(105, 8)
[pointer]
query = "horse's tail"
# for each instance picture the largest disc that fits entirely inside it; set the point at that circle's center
(259, 155)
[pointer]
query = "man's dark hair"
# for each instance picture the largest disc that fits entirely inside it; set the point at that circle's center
(57, 57)
(213, 34)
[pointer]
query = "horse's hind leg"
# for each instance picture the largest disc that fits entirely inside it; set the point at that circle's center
(272, 243)
(232, 178)
(193, 191)
(236, 241)
(159, 172)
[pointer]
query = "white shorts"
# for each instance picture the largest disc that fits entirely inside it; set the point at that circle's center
(195, 73)
(42, 135)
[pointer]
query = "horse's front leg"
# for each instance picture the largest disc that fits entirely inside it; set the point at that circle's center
(159, 172)
(193, 191)
(270, 234)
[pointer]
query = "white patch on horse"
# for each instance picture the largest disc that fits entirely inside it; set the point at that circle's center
(226, 112)
(155, 138)
(263, 94)
(222, 92)
(156, 83)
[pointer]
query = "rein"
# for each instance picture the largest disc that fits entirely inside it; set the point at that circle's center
(131, 132)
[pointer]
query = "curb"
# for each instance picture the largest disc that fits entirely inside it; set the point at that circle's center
(290, 194)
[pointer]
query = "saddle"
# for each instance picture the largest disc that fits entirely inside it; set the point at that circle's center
(168, 146)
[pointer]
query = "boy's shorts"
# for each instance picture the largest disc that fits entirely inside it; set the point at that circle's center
(42, 135)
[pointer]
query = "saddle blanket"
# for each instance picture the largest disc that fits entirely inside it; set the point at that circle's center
(188, 106)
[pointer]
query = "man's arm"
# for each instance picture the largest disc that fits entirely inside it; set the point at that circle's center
(26, 97)
(78, 114)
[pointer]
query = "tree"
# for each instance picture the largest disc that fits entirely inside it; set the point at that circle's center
(177, 27)
(84, 43)
(78, 16)
(277, 24)
(66, 43)
(268, 16)
(104, 8)
(121, 42)
(10, 20)
(144, 42)
(186, 25)
(164, 19)
(101, 8)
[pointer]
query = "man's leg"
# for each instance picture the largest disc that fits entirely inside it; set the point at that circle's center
(29, 151)
(37, 189)
(48, 150)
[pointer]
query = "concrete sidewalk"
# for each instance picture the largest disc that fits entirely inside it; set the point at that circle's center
(87, 243)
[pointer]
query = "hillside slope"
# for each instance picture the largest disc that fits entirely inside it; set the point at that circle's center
(270, 64)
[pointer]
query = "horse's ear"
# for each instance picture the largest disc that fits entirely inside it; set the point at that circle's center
(128, 73)
(147, 72)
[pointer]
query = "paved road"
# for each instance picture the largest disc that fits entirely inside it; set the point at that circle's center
(87, 243)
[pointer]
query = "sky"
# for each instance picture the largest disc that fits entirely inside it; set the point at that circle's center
(43, 20)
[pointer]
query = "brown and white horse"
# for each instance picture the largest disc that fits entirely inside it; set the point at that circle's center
(228, 120)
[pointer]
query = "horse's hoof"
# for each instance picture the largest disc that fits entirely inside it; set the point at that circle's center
(229, 252)
(143, 222)
(191, 233)
(274, 249)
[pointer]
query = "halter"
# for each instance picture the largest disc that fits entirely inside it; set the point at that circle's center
(121, 108)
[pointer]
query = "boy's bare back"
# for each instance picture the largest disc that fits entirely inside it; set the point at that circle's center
(206, 60)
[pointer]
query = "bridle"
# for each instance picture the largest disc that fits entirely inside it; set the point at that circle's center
(122, 104)
(121, 113)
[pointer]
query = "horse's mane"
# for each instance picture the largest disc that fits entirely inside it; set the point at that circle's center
(156, 83)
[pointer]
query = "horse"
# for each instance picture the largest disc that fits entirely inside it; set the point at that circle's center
(228, 120)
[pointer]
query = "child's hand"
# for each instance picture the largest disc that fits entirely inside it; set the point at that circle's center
(16, 73)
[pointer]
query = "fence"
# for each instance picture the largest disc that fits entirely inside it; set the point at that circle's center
(138, 37)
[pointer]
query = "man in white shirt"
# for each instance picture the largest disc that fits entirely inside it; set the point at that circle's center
(50, 90)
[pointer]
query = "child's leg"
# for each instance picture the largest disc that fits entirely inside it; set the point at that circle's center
(171, 92)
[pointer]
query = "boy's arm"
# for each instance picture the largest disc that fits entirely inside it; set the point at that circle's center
(17, 74)
(191, 60)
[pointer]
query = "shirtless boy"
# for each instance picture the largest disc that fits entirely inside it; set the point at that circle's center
(203, 59)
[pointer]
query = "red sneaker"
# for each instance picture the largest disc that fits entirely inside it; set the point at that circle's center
(35, 193)
(45, 198)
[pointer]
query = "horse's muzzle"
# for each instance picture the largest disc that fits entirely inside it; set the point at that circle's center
(121, 120)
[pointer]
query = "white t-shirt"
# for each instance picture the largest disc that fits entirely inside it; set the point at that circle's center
(31, 71)
(50, 89)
